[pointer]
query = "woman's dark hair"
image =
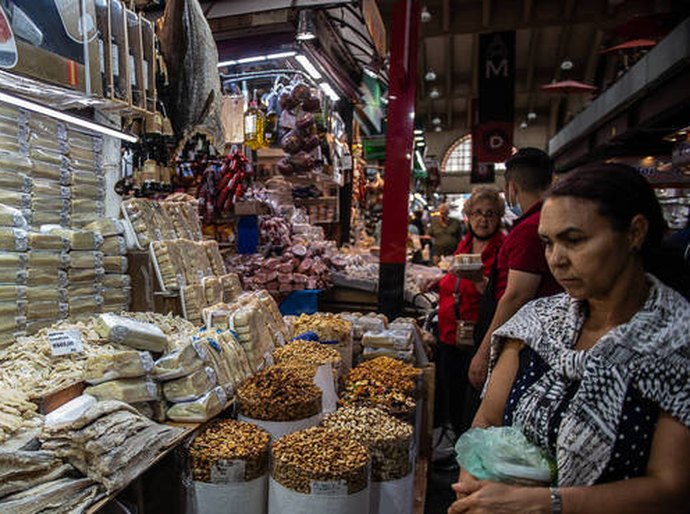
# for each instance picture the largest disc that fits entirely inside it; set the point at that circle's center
(621, 193)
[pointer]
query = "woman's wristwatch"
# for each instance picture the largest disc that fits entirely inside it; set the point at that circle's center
(556, 500)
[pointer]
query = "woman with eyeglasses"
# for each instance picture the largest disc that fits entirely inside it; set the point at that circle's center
(459, 298)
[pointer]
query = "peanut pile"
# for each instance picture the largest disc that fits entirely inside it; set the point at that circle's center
(280, 393)
(306, 352)
(387, 439)
(230, 440)
(390, 373)
(319, 454)
(329, 327)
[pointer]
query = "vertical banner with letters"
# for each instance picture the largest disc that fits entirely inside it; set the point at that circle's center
(494, 131)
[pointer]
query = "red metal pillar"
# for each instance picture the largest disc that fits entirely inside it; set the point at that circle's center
(399, 151)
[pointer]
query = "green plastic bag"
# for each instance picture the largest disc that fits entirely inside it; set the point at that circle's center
(503, 454)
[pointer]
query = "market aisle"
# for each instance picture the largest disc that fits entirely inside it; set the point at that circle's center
(439, 495)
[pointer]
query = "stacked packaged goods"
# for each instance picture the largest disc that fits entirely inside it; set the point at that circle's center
(116, 287)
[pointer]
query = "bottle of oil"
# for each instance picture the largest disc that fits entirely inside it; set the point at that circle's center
(254, 122)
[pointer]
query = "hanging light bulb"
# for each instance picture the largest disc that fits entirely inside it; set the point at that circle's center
(531, 116)
(430, 75)
(434, 93)
(305, 26)
(425, 15)
(436, 121)
(523, 125)
(567, 65)
(438, 128)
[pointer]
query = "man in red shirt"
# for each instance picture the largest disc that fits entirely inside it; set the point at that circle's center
(522, 272)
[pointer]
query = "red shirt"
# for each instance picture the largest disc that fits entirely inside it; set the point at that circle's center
(524, 251)
(469, 296)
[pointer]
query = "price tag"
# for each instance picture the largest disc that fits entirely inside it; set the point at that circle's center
(65, 342)
(334, 488)
(225, 471)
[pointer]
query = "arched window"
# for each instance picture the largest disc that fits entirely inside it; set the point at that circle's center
(458, 158)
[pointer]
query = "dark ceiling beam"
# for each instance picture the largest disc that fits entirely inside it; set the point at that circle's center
(486, 13)
(466, 20)
(474, 79)
(594, 56)
(531, 63)
(527, 11)
(422, 69)
(563, 43)
(450, 58)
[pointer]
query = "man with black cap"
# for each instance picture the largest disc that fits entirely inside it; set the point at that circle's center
(521, 273)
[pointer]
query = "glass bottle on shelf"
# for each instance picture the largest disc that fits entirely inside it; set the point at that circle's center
(254, 121)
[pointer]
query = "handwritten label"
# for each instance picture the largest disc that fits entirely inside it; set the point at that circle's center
(65, 342)
(334, 488)
(225, 471)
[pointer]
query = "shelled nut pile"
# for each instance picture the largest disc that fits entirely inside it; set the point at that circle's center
(391, 373)
(306, 352)
(319, 454)
(388, 439)
(230, 440)
(329, 327)
(384, 383)
(280, 393)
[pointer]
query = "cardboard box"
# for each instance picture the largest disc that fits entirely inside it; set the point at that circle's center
(47, 35)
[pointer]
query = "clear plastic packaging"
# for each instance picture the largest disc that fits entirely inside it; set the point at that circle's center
(190, 387)
(128, 390)
(115, 264)
(78, 239)
(137, 334)
(11, 217)
(85, 259)
(15, 199)
(12, 181)
(123, 364)
(181, 362)
(13, 239)
(503, 454)
(200, 410)
(114, 245)
(41, 241)
(107, 227)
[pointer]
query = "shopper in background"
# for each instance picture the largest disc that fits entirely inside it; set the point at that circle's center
(444, 231)
(459, 296)
(522, 273)
(598, 377)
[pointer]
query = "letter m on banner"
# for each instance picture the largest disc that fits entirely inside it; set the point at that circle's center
(494, 132)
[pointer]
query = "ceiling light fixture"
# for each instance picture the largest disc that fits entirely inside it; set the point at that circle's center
(258, 58)
(68, 118)
(438, 128)
(436, 121)
(434, 93)
(326, 88)
(523, 125)
(430, 76)
(567, 65)
(308, 67)
(531, 116)
(425, 15)
(306, 30)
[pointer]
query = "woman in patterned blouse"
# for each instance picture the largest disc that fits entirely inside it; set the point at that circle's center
(597, 376)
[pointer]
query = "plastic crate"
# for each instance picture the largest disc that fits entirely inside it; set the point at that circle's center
(300, 302)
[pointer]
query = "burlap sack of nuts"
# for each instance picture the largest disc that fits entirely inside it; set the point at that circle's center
(389, 440)
(319, 454)
(229, 440)
(280, 393)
